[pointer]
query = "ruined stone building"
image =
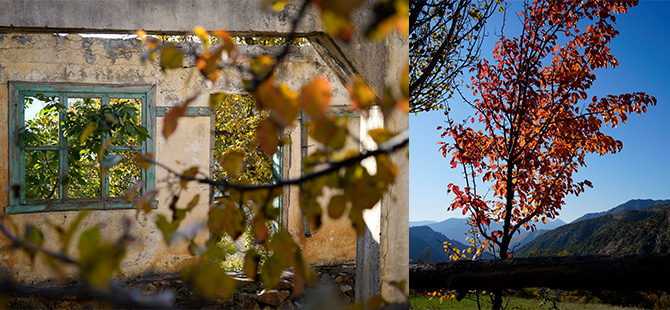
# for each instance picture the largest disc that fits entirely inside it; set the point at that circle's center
(44, 51)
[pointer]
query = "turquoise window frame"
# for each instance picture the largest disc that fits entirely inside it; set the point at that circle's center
(18, 91)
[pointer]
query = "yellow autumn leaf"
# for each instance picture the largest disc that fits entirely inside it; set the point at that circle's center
(90, 128)
(363, 97)
(142, 162)
(171, 57)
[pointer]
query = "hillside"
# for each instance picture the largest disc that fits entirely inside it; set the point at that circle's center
(626, 232)
(422, 237)
(634, 204)
(520, 240)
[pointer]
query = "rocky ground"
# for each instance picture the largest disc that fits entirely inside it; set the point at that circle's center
(334, 289)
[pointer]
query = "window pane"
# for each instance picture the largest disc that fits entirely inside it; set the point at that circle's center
(82, 112)
(128, 115)
(40, 120)
(83, 174)
(124, 174)
(41, 178)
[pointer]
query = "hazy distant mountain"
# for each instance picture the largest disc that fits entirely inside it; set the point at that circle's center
(626, 232)
(422, 237)
(635, 204)
(456, 228)
(420, 223)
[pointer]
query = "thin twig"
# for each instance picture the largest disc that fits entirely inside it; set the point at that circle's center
(399, 141)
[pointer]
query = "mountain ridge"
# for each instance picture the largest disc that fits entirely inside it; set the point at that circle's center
(633, 204)
(422, 237)
(642, 231)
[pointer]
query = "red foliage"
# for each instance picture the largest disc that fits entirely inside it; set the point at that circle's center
(538, 123)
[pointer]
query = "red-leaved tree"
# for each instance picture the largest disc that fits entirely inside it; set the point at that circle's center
(534, 121)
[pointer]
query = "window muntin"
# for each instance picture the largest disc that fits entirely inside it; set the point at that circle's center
(53, 168)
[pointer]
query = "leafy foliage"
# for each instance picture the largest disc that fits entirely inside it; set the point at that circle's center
(445, 39)
(251, 136)
(88, 128)
(236, 144)
(252, 130)
(535, 120)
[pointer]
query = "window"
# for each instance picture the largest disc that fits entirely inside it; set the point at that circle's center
(236, 119)
(57, 132)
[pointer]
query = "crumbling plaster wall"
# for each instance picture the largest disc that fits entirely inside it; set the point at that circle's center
(74, 59)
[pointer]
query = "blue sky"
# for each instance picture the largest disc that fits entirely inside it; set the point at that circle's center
(641, 170)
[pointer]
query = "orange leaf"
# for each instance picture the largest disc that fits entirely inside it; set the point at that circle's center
(363, 97)
(315, 97)
(171, 118)
(268, 136)
(261, 231)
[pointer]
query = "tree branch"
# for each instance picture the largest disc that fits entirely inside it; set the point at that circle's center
(399, 141)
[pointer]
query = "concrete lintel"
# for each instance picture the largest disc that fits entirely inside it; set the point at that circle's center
(155, 16)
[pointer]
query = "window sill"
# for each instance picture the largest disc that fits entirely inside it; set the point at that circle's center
(72, 206)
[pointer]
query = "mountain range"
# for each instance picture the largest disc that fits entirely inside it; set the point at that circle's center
(426, 245)
(637, 226)
(635, 204)
(625, 232)
(457, 229)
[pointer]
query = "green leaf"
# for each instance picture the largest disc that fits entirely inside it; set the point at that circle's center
(284, 247)
(190, 172)
(209, 280)
(35, 236)
(232, 162)
(386, 170)
(171, 57)
(271, 271)
(66, 237)
(380, 135)
(215, 100)
(166, 228)
(336, 206)
(357, 222)
(251, 260)
(89, 242)
(226, 220)
(326, 131)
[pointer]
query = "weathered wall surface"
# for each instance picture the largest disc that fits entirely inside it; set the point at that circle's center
(165, 16)
(73, 59)
(335, 240)
(394, 246)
